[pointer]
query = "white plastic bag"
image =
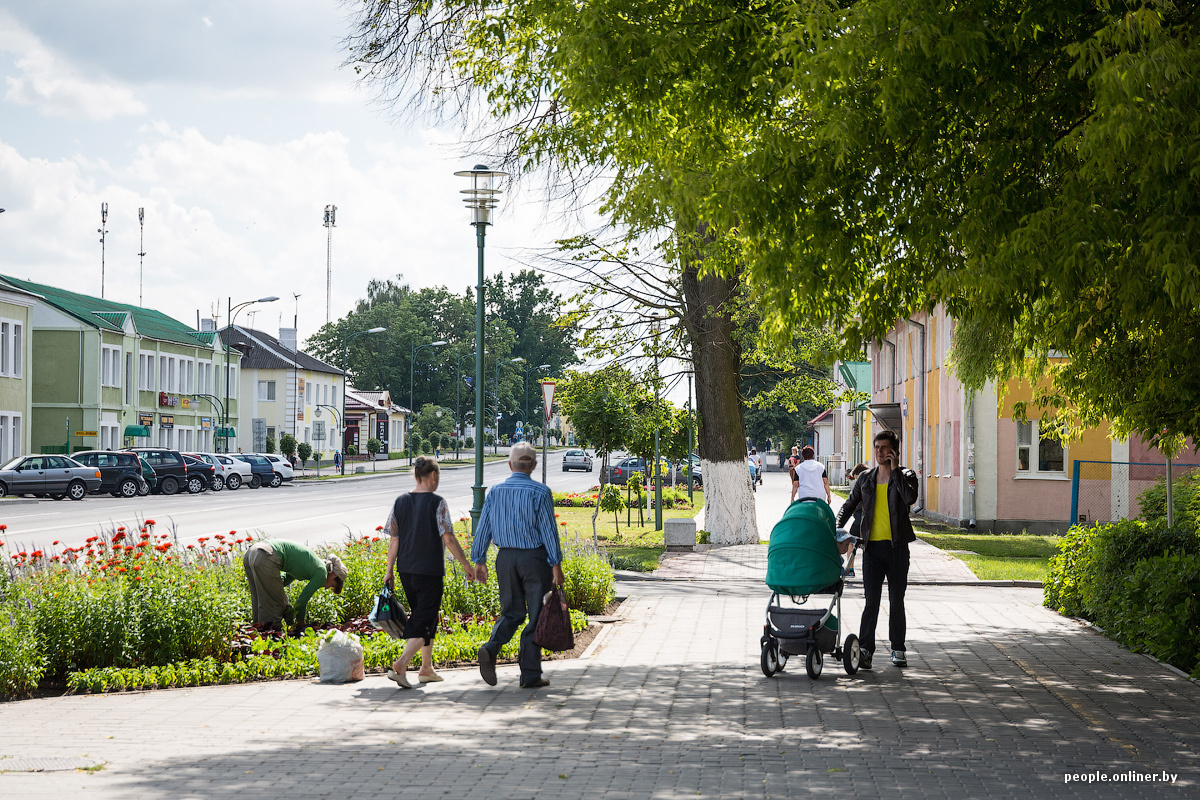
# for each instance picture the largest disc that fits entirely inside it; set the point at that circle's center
(340, 657)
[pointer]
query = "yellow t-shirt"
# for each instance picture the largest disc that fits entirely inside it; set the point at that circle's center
(881, 523)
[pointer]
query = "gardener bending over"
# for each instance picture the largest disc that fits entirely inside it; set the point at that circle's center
(272, 565)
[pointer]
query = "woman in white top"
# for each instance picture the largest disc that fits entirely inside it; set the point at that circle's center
(811, 478)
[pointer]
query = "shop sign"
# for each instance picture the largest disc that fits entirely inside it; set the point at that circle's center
(166, 420)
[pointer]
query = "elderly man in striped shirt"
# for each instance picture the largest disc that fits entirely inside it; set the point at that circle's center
(518, 516)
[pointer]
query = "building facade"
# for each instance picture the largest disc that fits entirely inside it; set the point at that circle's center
(107, 375)
(16, 389)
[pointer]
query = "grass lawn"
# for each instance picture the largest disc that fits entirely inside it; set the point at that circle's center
(636, 547)
(1000, 557)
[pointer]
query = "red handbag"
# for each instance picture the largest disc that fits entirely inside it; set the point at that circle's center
(553, 631)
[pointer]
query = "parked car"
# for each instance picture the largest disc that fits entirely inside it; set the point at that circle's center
(281, 466)
(53, 476)
(620, 472)
(577, 459)
(169, 467)
(262, 471)
(148, 476)
(200, 475)
(231, 472)
(120, 473)
(697, 473)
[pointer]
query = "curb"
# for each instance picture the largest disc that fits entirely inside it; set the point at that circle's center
(18, 501)
(625, 575)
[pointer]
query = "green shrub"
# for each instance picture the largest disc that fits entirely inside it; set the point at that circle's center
(1156, 609)
(426, 447)
(469, 443)
(589, 579)
(22, 656)
(305, 451)
(1185, 494)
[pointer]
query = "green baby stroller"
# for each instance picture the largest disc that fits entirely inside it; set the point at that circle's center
(803, 561)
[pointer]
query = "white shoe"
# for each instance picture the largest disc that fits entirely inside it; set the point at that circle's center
(399, 678)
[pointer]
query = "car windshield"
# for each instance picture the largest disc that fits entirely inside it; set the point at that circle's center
(14, 463)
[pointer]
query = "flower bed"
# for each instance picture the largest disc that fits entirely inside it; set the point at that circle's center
(135, 599)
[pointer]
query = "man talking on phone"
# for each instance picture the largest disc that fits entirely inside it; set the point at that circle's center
(885, 493)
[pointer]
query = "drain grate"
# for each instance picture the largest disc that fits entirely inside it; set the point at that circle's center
(45, 764)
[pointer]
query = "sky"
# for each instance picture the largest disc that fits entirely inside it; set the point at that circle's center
(233, 125)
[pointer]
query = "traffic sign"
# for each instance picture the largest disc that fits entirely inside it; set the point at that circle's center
(548, 396)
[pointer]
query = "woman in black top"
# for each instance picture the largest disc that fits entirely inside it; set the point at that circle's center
(420, 529)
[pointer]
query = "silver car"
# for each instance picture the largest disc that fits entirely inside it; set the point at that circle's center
(53, 476)
(577, 459)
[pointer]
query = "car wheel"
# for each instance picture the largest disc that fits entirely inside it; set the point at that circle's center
(3, 490)
(234, 482)
(143, 489)
(255, 482)
(218, 483)
(169, 485)
(276, 480)
(566, 470)
(195, 484)
(77, 490)
(129, 488)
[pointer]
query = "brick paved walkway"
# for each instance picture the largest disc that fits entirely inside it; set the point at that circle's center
(1002, 698)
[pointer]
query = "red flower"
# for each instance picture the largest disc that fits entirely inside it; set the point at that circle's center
(233, 533)
(135, 569)
(137, 577)
(378, 527)
(1, 544)
(144, 536)
(91, 539)
(248, 537)
(202, 539)
(122, 569)
(37, 554)
(151, 522)
(54, 542)
(143, 544)
(191, 547)
(121, 529)
(563, 524)
(3, 527)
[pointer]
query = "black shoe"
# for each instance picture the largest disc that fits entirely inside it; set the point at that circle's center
(487, 666)
(864, 659)
(538, 684)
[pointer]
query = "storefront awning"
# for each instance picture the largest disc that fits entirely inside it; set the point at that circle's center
(137, 430)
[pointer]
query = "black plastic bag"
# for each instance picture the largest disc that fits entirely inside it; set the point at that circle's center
(553, 631)
(388, 614)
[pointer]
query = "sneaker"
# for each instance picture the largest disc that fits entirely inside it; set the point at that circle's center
(864, 659)
(487, 666)
(850, 572)
(899, 659)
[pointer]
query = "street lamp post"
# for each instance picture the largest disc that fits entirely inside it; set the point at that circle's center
(690, 477)
(231, 315)
(346, 340)
(481, 198)
(499, 364)
(412, 364)
(658, 519)
(458, 405)
(525, 387)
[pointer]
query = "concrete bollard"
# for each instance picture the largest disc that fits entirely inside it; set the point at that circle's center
(679, 534)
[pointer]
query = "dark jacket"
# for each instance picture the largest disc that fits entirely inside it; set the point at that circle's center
(901, 494)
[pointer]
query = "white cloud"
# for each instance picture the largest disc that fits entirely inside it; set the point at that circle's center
(55, 86)
(207, 22)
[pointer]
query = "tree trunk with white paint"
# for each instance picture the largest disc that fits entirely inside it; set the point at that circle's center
(729, 515)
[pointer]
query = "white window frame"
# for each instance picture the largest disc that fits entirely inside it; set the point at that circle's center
(947, 451)
(110, 365)
(12, 344)
(266, 391)
(10, 435)
(1031, 431)
(146, 371)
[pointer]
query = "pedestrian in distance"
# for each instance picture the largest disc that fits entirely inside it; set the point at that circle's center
(758, 462)
(337, 459)
(856, 521)
(518, 516)
(885, 494)
(811, 479)
(273, 564)
(420, 532)
(793, 462)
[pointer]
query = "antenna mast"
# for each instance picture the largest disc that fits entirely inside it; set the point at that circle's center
(103, 231)
(141, 248)
(330, 223)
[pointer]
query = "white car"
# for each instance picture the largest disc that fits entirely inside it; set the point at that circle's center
(230, 471)
(282, 468)
(577, 459)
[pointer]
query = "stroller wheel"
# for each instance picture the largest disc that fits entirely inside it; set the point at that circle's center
(770, 659)
(814, 662)
(851, 654)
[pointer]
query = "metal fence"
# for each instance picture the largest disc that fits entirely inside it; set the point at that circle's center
(1106, 491)
(835, 470)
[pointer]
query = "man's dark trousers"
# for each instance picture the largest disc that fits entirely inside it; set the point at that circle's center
(884, 560)
(524, 577)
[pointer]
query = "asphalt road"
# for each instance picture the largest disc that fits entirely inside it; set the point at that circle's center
(315, 512)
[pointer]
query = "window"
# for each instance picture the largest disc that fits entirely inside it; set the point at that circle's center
(947, 464)
(11, 344)
(128, 378)
(936, 466)
(10, 436)
(1038, 451)
(172, 380)
(163, 386)
(146, 372)
(266, 390)
(110, 365)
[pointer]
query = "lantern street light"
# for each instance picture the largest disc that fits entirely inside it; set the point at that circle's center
(231, 315)
(481, 199)
(412, 363)
(346, 340)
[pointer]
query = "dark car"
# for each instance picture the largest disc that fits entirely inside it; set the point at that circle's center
(169, 467)
(262, 470)
(120, 473)
(55, 476)
(200, 475)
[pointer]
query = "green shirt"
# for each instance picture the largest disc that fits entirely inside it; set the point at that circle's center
(298, 563)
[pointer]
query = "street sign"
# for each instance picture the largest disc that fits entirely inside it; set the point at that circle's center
(520, 428)
(86, 433)
(548, 396)
(319, 429)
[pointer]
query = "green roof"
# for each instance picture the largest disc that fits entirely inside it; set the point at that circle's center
(110, 316)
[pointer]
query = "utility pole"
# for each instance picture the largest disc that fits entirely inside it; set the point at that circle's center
(103, 231)
(141, 249)
(330, 224)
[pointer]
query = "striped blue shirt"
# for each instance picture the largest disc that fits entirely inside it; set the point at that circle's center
(518, 513)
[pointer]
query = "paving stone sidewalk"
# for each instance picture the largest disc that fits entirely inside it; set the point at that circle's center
(1002, 699)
